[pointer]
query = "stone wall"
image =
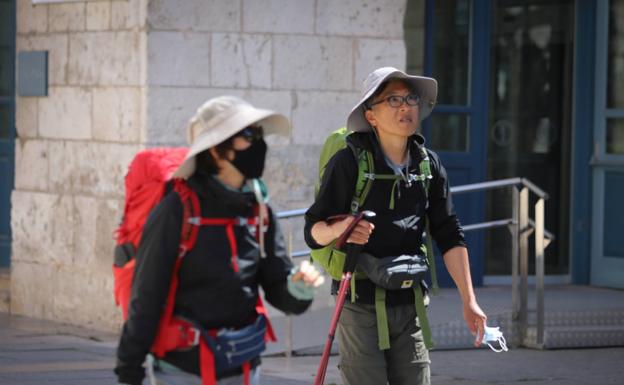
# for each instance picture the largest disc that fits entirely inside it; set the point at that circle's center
(72, 149)
(129, 73)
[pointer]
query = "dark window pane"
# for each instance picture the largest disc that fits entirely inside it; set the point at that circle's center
(414, 36)
(6, 30)
(615, 72)
(451, 50)
(449, 132)
(615, 136)
(529, 125)
(5, 122)
(613, 220)
(6, 72)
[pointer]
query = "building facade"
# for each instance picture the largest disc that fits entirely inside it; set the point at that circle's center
(527, 88)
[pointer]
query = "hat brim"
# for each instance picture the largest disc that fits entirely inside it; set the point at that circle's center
(271, 122)
(427, 89)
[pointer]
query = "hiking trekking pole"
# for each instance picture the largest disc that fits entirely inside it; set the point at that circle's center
(352, 251)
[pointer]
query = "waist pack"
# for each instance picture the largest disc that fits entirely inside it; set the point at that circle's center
(402, 272)
(233, 347)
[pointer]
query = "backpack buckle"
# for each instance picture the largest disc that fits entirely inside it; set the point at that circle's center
(195, 334)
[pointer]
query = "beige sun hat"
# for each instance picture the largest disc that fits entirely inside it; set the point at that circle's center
(427, 89)
(220, 118)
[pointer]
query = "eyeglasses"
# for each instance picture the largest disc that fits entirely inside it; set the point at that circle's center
(251, 133)
(397, 101)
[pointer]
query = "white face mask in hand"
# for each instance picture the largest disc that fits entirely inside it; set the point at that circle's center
(492, 335)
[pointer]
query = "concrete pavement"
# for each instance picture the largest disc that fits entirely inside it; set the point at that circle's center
(34, 352)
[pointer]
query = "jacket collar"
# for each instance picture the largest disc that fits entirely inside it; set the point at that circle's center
(235, 202)
(368, 141)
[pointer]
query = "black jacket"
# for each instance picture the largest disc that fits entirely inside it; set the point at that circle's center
(210, 292)
(397, 231)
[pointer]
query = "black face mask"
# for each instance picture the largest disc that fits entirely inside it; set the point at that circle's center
(250, 162)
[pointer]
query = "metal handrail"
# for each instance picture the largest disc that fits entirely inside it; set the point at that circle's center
(521, 227)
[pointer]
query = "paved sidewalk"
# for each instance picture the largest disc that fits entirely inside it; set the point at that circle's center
(34, 352)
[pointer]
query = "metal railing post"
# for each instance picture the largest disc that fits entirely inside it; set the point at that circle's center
(524, 261)
(289, 322)
(514, 229)
(539, 269)
(515, 250)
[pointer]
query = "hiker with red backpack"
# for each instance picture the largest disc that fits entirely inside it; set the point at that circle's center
(383, 332)
(194, 311)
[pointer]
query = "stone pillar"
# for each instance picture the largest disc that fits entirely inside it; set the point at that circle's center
(72, 150)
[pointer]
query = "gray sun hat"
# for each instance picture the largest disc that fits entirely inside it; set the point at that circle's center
(222, 117)
(427, 89)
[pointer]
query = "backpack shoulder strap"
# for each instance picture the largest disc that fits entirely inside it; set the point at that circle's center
(426, 176)
(364, 182)
(190, 204)
(190, 217)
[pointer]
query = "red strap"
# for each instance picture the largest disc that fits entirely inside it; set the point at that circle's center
(269, 335)
(206, 364)
(229, 229)
(160, 344)
(246, 372)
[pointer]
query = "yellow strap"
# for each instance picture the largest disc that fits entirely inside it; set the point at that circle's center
(383, 334)
(421, 312)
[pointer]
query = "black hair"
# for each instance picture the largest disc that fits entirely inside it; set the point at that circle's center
(382, 87)
(206, 163)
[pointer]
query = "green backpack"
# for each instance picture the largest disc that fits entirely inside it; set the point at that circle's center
(332, 259)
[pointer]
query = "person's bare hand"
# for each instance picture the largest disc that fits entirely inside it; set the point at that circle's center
(360, 234)
(475, 320)
(308, 274)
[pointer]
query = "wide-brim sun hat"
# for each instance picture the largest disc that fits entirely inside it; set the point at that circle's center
(222, 117)
(426, 88)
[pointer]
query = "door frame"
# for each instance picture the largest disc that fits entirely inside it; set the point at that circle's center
(582, 139)
(7, 149)
(477, 112)
(604, 271)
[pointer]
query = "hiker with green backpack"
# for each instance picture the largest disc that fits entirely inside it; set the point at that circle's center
(379, 163)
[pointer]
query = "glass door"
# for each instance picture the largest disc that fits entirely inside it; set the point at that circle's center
(529, 122)
(7, 119)
(456, 56)
(607, 256)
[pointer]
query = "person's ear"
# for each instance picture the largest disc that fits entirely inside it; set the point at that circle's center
(370, 117)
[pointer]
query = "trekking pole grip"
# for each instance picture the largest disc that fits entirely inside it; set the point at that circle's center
(342, 239)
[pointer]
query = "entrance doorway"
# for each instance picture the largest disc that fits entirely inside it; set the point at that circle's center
(529, 119)
(505, 71)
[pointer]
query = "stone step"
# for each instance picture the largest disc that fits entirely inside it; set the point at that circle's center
(562, 337)
(595, 317)
(5, 290)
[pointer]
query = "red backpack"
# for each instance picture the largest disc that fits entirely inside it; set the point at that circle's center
(147, 181)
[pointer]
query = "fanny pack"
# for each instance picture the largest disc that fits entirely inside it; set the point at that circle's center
(402, 272)
(232, 348)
